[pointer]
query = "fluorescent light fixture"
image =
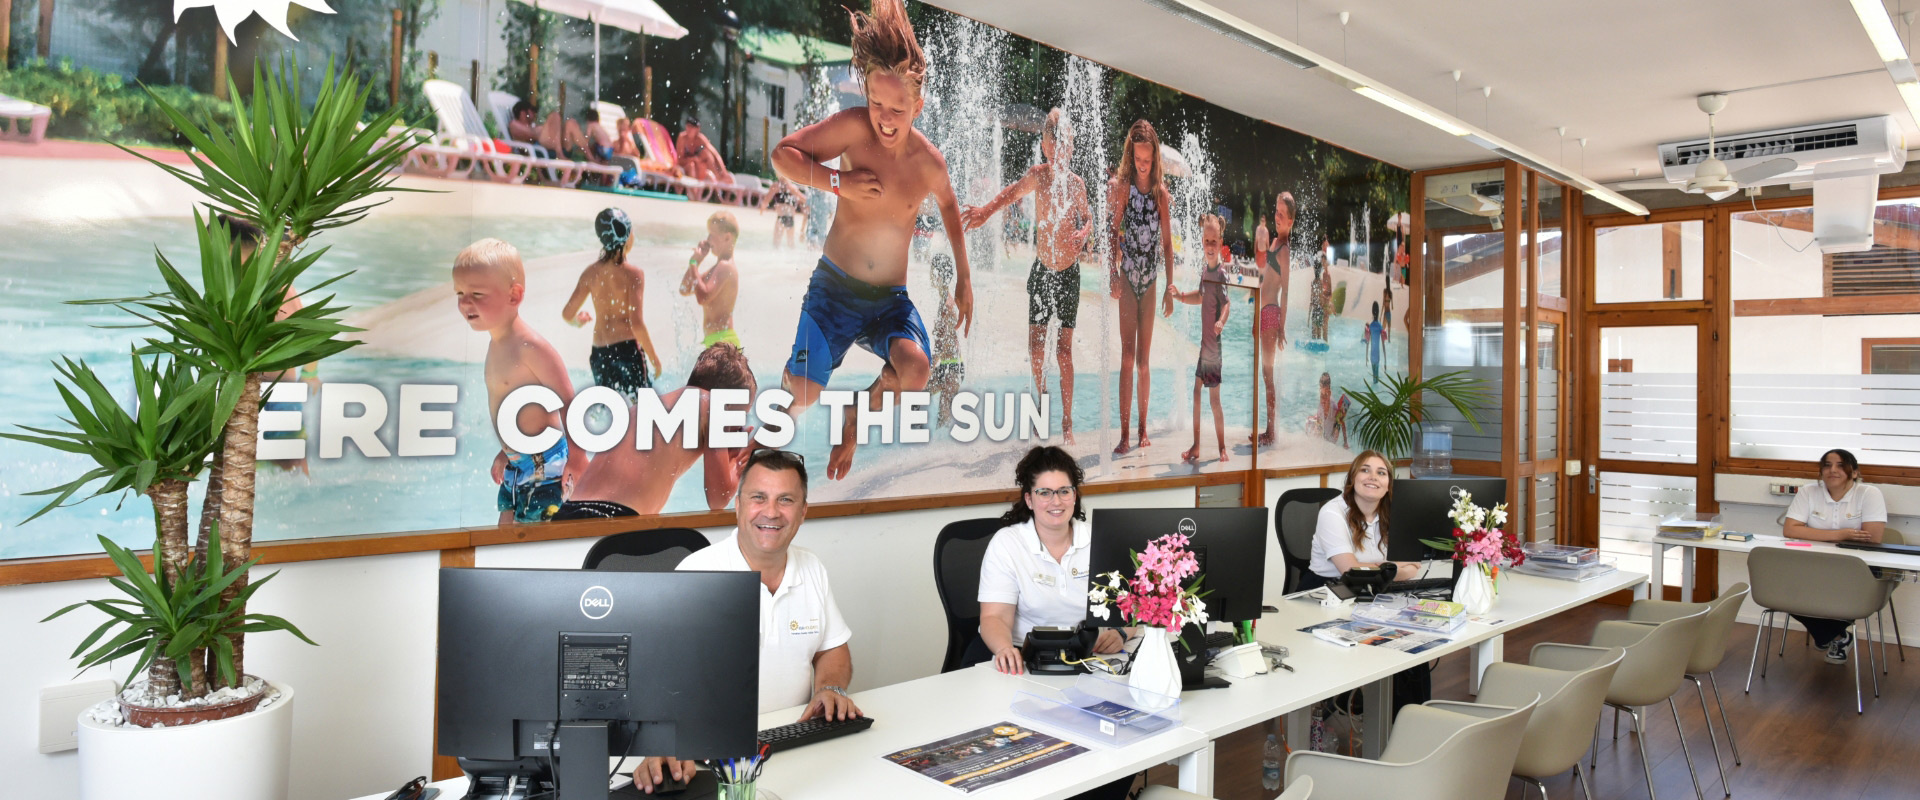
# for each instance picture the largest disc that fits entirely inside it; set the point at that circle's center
(1886, 41)
(1213, 19)
(1410, 110)
(1910, 92)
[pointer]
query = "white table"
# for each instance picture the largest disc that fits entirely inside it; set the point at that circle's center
(1908, 566)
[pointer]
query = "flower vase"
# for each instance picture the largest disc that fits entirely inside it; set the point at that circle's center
(1154, 678)
(1475, 589)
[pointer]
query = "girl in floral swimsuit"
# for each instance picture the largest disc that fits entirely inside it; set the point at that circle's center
(1141, 248)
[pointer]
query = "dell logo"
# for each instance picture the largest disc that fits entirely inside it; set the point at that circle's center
(1186, 527)
(596, 602)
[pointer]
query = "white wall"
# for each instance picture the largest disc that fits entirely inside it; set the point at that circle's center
(364, 713)
(1745, 505)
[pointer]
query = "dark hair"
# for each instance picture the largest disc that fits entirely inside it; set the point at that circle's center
(590, 115)
(1046, 458)
(1847, 461)
(776, 460)
(1356, 522)
(722, 366)
(522, 105)
(242, 231)
(1376, 311)
(692, 122)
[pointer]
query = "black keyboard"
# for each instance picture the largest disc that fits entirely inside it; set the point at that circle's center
(1220, 640)
(1420, 585)
(818, 729)
(1900, 549)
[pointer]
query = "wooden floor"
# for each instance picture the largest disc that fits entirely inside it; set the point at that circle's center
(1798, 734)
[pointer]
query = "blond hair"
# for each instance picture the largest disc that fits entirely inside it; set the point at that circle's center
(1218, 223)
(724, 222)
(495, 256)
(1141, 131)
(1058, 128)
(883, 41)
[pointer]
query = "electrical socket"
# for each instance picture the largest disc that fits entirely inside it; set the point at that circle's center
(1778, 489)
(60, 708)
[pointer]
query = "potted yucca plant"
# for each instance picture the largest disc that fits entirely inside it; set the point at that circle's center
(1388, 414)
(290, 168)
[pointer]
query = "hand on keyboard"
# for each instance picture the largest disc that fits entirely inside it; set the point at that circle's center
(809, 731)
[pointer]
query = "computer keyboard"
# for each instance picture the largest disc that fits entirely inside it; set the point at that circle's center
(1901, 549)
(1219, 640)
(818, 729)
(1419, 585)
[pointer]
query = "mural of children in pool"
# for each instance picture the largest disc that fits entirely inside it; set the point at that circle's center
(857, 294)
(1142, 246)
(1372, 335)
(948, 370)
(1211, 296)
(1273, 251)
(621, 343)
(1053, 285)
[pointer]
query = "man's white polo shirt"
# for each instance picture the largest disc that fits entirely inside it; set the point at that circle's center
(1816, 509)
(1018, 569)
(796, 622)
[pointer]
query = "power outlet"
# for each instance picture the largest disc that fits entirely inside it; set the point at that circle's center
(1783, 489)
(60, 708)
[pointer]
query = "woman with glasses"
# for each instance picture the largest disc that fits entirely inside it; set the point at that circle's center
(1035, 570)
(1836, 508)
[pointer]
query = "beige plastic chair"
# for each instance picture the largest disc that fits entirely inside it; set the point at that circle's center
(1464, 751)
(1709, 649)
(1571, 682)
(1300, 789)
(1815, 584)
(1655, 663)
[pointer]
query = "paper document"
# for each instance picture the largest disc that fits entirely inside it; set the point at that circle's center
(986, 756)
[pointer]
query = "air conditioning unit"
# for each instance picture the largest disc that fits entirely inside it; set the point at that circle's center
(1482, 198)
(1871, 146)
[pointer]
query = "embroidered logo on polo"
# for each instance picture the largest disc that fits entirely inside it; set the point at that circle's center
(808, 628)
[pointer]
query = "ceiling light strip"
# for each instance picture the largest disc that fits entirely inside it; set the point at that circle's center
(1214, 19)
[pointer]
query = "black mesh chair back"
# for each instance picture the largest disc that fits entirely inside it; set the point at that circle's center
(957, 553)
(657, 550)
(1295, 515)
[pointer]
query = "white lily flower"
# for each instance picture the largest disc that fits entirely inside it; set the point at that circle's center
(1098, 611)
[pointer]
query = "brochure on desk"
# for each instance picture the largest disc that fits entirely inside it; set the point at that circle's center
(1368, 633)
(985, 757)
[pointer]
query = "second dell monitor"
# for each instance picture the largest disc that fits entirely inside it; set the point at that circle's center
(1230, 545)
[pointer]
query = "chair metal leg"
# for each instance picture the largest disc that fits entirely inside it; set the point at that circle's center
(1873, 666)
(1535, 783)
(1897, 644)
(1722, 705)
(1593, 746)
(1639, 735)
(1582, 775)
(1707, 713)
(1858, 706)
(1684, 750)
(1616, 724)
(1766, 621)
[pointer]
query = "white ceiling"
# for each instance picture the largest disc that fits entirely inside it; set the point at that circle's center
(1621, 73)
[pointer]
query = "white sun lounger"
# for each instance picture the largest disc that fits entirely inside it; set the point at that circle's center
(23, 121)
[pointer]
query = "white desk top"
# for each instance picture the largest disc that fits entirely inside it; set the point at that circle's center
(1874, 558)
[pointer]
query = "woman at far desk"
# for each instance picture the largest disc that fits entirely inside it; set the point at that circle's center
(1034, 572)
(1352, 529)
(1836, 508)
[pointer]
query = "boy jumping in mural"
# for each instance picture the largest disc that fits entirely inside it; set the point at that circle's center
(1273, 251)
(717, 288)
(948, 370)
(1211, 296)
(629, 481)
(1065, 220)
(620, 338)
(857, 294)
(489, 283)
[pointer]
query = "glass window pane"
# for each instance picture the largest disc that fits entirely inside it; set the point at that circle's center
(1546, 441)
(1523, 420)
(1815, 364)
(1475, 349)
(1651, 262)
(1546, 507)
(1631, 506)
(1649, 393)
(1552, 211)
(1466, 290)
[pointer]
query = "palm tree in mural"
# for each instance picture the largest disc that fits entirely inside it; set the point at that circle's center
(294, 170)
(155, 448)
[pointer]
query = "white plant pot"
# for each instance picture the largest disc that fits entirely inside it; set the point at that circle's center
(1155, 676)
(243, 758)
(1474, 590)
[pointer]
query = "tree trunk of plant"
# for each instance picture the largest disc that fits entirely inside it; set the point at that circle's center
(236, 495)
(163, 678)
(170, 517)
(209, 530)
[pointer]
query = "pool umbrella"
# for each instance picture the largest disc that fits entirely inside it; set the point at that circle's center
(643, 17)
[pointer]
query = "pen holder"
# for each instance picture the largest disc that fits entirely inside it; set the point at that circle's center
(740, 790)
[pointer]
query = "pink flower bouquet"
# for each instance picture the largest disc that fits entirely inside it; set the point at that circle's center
(1153, 596)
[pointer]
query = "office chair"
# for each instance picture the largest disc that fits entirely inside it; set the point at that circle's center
(1295, 515)
(1651, 673)
(1464, 751)
(656, 550)
(957, 553)
(1815, 584)
(1709, 649)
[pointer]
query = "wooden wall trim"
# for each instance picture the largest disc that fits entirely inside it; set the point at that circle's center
(1879, 304)
(1867, 345)
(1897, 476)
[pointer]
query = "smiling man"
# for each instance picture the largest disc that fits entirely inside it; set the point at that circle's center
(858, 293)
(803, 641)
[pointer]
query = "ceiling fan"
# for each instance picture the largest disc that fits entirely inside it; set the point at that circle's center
(1710, 176)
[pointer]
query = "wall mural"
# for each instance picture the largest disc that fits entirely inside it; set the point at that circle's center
(596, 306)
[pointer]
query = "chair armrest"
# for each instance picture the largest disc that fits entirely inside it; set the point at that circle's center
(1661, 610)
(1620, 633)
(1347, 777)
(1571, 657)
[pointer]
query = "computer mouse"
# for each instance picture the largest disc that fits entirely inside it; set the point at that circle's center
(700, 787)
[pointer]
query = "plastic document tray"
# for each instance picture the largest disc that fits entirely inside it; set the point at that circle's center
(1560, 554)
(1691, 525)
(1096, 709)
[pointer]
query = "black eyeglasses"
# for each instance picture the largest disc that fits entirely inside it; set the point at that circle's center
(411, 791)
(1064, 493)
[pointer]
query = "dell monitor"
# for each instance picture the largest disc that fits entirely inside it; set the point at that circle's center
(544, 675)
(1420, 511)
(1230, 545)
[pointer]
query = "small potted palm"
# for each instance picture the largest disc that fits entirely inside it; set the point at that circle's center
(288, 169)
(1390, 414)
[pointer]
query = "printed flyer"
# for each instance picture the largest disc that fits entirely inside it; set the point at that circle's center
(986, 756)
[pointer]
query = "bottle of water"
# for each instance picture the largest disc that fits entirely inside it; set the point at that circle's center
(1270, 764)
(1317, 736)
